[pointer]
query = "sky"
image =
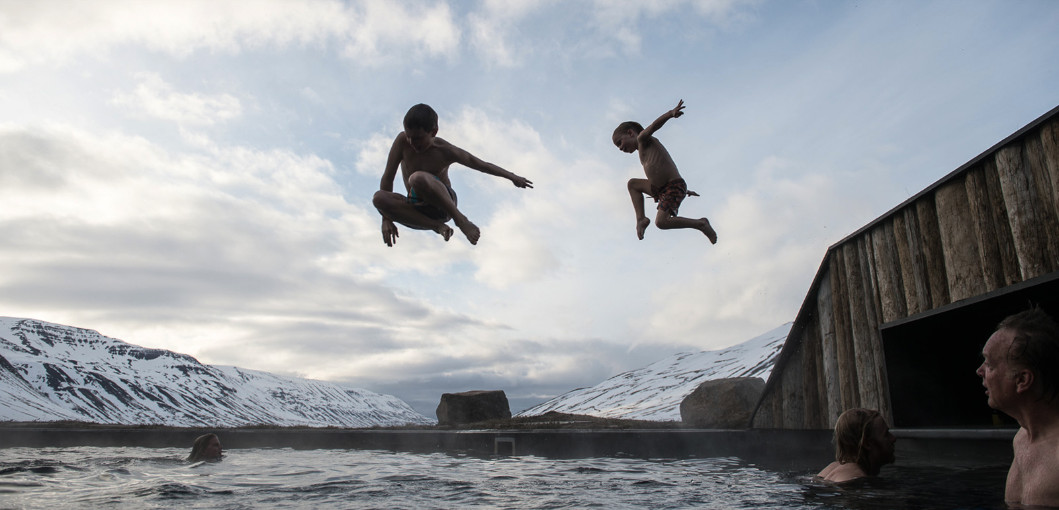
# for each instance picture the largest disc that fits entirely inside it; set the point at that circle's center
(197, 175)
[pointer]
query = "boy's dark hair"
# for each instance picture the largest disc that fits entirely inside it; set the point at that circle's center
(627, 125)
(422, 117)
(1036, 347)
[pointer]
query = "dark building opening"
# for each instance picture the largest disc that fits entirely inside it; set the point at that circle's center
(931, 358)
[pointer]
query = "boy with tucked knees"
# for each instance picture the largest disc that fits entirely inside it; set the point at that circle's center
(424, 160)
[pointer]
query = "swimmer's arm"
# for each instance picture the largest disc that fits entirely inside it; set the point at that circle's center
(393, 161)
(470, 161)
(645, 136)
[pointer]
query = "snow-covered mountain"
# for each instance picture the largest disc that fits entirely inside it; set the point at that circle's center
(655, 392)
(50, 372)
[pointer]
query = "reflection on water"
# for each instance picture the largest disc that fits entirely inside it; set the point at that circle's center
(282, 478)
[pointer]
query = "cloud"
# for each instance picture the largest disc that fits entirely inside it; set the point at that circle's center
(588, 28)
(247, 235)
(495, 30)
(36, 33)
(772, 237)
(156, 98)
(371, 158)
(250, 256)
(125, 228)
(529, 371)
(426, 26)
(624, 21)
(366, 32)
(526, 233)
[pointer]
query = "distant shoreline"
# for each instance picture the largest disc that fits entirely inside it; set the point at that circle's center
(551, 435)
(551, 420)
(556, 439)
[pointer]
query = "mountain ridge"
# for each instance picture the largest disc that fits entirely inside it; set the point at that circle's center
(56, 373)
(51, 372)
(654, 392)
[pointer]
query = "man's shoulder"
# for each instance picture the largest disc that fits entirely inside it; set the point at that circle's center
(1021, 438)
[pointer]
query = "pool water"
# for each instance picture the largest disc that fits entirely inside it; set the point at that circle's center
(92, 477)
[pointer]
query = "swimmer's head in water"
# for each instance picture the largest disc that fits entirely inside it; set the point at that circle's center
(863, 437)
(206, 447)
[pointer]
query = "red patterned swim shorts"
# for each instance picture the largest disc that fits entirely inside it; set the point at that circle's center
(670, 196)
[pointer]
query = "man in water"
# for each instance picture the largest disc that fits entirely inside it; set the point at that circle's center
(1019, 374)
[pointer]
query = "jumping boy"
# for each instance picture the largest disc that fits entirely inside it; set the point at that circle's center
(663, 182)
(424, 160)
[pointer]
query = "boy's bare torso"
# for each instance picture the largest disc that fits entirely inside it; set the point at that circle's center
(658, 165)
(434, 160)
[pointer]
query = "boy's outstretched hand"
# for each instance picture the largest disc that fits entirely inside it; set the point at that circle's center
(389, 232)
(679, 110)
(521, 182)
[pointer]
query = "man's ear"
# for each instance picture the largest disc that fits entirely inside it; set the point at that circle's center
(1023, 380)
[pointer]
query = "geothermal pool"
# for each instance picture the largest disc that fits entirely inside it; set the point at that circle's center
(138, 477)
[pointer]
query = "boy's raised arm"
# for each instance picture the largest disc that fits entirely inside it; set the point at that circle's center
(660, 121)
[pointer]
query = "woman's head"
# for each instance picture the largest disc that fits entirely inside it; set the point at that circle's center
(206, 447)
(863, 437)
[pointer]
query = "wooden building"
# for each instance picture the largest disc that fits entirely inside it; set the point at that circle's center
(898, 312)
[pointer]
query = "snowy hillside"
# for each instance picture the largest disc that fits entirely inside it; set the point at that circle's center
(655, 392)
(50, 372)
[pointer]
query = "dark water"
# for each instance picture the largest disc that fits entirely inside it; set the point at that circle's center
(90, 477)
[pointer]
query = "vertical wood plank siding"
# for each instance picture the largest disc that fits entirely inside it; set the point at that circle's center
(991, 223)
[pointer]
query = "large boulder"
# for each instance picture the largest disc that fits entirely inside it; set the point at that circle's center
(722, 403)
(472, 407)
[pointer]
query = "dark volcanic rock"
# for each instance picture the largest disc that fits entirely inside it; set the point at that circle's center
(722, 403)
(472, 406)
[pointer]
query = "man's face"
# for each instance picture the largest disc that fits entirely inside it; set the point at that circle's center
(996, 371)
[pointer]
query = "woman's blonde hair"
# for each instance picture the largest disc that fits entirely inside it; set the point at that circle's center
(199, 448)
(852, 430)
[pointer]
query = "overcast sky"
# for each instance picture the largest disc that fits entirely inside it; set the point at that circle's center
(197, 176)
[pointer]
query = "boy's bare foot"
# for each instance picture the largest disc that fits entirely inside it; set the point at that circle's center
(469, 229)
(708, 230)
(444, 230)
(641, 227)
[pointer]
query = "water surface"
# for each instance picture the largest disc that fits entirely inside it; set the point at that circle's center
(92, 477)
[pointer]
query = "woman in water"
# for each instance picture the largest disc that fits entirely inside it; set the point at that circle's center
(206, 447)
(863, 444)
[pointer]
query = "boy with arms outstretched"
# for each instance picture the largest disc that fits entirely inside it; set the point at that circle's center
(663, 182)
(424, 160)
